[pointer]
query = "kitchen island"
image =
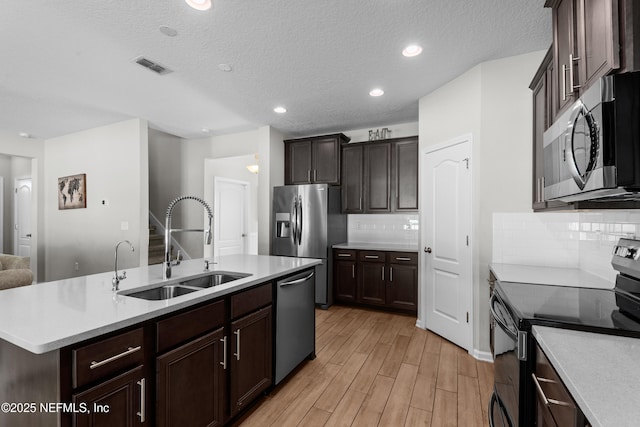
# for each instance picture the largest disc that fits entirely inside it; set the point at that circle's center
(46, 329)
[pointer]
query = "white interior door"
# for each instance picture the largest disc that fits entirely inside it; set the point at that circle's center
(22, 212)
(231, 208)
(447, 282)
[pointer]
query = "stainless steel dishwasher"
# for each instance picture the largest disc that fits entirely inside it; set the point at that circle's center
(295, 322)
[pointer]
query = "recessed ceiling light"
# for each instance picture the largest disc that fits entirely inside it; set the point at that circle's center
(412, 50)
(24, 135)
(199, 4)
(168, 31)
(280, 110)
(225, 67)
(376, 92)
(206, 130)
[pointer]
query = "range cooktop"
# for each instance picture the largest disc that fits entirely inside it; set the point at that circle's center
(595, 310)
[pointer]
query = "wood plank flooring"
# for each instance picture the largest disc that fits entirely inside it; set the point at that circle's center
(377, 369)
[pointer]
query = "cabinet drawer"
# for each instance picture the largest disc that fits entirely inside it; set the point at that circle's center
(549, 386)
(344, 254)
(251, 300)
(107, 357)
(185, 326)
(402, 258)
(372, 256)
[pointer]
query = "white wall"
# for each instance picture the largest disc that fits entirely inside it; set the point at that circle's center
(492, 102)
(115, 160)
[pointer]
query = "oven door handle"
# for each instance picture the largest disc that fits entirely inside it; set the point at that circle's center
(495, 399)
(499, 320)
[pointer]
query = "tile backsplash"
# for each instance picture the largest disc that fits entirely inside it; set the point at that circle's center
(578, 239)
(384, 228)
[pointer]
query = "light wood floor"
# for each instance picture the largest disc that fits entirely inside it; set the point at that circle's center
(378, 369)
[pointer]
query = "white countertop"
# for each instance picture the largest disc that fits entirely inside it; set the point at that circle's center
(396, 247)
(548, 276)
(602, 373)
(52, 315)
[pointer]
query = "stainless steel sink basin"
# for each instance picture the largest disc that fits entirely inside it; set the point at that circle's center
(214, 279)
(185, 287)
(162, 292)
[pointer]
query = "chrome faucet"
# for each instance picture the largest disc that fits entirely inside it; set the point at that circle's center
(208, 234)
(118, 277)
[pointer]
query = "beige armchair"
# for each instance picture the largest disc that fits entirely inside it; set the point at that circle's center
(14, 271)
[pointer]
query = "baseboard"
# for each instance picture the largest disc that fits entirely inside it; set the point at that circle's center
(485, 356)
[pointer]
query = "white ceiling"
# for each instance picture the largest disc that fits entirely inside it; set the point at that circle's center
(67, 65)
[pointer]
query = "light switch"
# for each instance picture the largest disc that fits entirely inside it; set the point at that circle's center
(124, 225)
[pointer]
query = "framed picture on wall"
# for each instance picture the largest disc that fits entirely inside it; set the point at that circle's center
(72, 191)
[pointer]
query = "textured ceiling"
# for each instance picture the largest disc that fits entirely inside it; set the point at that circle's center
(67, 65)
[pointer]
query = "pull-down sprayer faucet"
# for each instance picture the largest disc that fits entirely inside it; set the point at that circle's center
(208, 234)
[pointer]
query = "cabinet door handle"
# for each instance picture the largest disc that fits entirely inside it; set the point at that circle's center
(344, 255)
(353, 271)
(129, 351)
(571, 78)
(390, 274)
(224, 353)
(237, 354)
(315, 174)
(143, 393)
(308, 175)
(564, 82)
(545, 399)
(383, 273)
(371, 256)
(402, 258)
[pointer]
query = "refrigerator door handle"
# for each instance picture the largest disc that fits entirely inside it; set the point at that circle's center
(294, 219)
(300, 224)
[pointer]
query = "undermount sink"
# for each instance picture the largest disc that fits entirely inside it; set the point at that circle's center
(162, 292)
(214, 279)
(165, 292)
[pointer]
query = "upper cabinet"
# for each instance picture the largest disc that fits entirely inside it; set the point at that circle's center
(586, 40)
(380, 176)
(314, 160)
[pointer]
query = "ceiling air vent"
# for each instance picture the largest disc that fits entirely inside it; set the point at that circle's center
(153, 66)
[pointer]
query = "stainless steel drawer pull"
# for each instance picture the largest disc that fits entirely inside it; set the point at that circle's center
(129, 351)
(143, 393)
(402, 258)
(391, 274)
(353, 271)
(371, 256)
(224, 352)
(344, 255)
(545, 399)
(237, 354)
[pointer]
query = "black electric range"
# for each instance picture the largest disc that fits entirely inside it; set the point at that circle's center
(516, 307)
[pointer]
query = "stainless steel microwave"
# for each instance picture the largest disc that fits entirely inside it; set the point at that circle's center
(592, 151)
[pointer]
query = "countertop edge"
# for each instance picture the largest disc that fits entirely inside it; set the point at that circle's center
(189, 300)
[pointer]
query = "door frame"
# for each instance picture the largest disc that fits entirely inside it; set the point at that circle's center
(16, 238)
(216, 218)
(424, 197)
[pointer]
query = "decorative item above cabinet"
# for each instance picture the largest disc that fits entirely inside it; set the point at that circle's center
(380, 176)
(313, 160)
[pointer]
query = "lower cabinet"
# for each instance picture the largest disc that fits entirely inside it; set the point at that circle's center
(119, 401)
(251, 361)
(210, 362)
(377, 279)
(190, 386)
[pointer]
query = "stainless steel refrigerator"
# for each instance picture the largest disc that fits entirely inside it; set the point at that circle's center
(306, 222)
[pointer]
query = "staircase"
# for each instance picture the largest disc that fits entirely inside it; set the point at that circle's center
(156, 246)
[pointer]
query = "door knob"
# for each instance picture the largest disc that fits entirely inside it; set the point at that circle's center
(427, 250)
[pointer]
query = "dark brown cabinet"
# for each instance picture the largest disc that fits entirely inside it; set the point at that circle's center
(352, 180)
(371, 278)
(555, 406)
(586, 40)
(119, 401)
(387, 280)
(345, 275)
(314, 160)
(381, 176)
(191, 383)
(251, 366)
